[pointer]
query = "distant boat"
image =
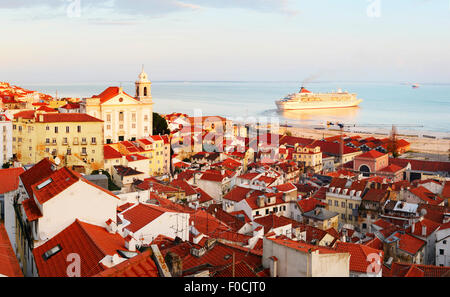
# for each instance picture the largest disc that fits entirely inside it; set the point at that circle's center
(415, 86)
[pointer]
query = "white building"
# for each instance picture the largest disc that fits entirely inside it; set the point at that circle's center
(51, 200)
(443, 245)
(125, 117)
(288, 258)
(144, 222)
(6, 140)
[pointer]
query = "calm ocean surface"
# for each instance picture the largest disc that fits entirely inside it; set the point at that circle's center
(383, 105)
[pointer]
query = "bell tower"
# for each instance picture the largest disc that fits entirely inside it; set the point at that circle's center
(143, 87)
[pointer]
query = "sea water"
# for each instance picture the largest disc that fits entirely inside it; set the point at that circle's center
(426, 108)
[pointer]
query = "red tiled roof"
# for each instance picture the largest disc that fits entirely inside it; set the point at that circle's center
(9, 179)
(426, 195)
(109, 93)
(286, 187)
(373, 154)
(212, 177)
(60, 180)
(9, 265)
(32, 211)
(204, 197)
(359, 255)
(27, 114)
(273, 221)
(406, 269)
(110, 153)
(391, 168)
(240, 269)
(141, 215)
(185, 186)
(310, 204)
(252, 200)
(303, 246)
(141, 265)
(422, 165)
(375, 195)
(409, 243)
(237, 194)
(92, 243)
(38, 172)
(429, 226)
(71, 106)
(249, 176)
(67, 117)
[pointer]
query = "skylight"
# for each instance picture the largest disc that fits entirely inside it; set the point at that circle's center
(43, 184)
(51, 252)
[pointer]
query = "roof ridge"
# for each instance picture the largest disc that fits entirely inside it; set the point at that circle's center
(80, 224)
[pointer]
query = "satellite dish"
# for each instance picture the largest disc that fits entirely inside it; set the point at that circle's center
(57, 160)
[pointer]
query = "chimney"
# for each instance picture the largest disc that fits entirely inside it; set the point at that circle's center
(413, 227)
(130, 243)
(424, 230)
(260, 201)
(175, 264)
(111, 226)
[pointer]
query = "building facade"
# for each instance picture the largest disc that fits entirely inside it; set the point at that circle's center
(125, 117)
(75, 138)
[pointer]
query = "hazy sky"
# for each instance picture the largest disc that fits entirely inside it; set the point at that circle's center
(52, 41)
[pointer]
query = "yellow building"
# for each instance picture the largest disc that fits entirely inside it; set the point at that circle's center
(310, 155)
(344, 197)
(125, 117)
(76, 139)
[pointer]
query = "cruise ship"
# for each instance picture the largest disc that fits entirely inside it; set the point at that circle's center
(308, 100)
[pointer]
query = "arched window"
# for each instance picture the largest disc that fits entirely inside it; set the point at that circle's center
(365, 170)
(137, 91)
(145, 91)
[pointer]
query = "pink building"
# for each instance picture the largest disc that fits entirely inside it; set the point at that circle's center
(370, 162)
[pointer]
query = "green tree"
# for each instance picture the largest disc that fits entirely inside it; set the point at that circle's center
(159, 125)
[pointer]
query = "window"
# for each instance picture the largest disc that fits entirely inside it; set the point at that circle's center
(51, 252)
(343, 204)
(133, 117)
(56, 129)
(83, 140)
(54, 140)
(257, 213)
(350, 205)
(47, 140)
(69, 151)
(83, 151)
(444, 242)
(67, 129)
(336, 203)
(94, 140)
(441, 251)
(267, 211)
(330, 202)
(350, 217)
(108, 127)
(343, 216)
(108, 117)
(133, 126)
(79, 129)
(121, 116)
(364, 226)
(65, 140)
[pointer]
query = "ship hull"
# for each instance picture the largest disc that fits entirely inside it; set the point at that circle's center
(315, 105)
